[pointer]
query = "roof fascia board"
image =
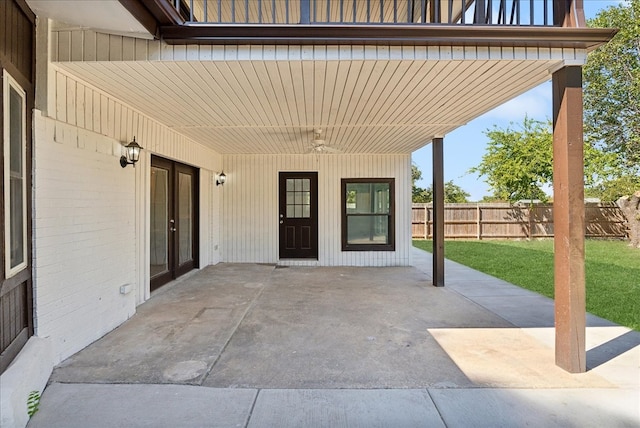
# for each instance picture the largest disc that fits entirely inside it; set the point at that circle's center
(554, 37)
(162, 11)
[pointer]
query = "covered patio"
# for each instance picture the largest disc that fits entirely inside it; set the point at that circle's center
(265, 326)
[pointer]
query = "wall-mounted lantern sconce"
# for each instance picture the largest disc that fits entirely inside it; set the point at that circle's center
(133, 153)
(221, 179)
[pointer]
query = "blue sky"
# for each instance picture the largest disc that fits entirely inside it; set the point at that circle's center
(464, 147)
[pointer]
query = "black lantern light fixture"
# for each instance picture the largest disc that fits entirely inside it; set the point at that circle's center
(133, 153)
(221, 178)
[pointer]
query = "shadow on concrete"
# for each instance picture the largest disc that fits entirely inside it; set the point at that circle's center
(614, 348)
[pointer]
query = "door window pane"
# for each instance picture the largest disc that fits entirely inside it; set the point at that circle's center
(185, 219)
(298, 198)
(159, 257)
(15, 181)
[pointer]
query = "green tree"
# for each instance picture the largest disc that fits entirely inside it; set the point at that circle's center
(452, 192)
(519, 162)
(612, 108)
(613, 189)
(612, 87)
(418, 194)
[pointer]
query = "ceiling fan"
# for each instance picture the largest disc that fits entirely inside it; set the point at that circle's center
(319, 145)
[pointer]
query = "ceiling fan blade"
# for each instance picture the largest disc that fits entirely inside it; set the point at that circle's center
(323, 148)
(329, 149)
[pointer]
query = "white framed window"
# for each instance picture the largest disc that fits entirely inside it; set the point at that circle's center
(15, 175)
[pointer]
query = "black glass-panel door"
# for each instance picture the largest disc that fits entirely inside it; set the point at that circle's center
(173, 220)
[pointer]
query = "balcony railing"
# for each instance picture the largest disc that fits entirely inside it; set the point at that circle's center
(374, 12)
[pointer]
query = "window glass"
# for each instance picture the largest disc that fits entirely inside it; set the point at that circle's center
(159, 249)
(185, 224)
(367, 230)
(367, 198)
(15, 176)
(368, 222)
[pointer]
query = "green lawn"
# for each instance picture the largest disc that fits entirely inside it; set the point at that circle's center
(612, 271)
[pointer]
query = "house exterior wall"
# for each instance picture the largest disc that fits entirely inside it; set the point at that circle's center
(250, 208)
(91, 227)
(83, 233)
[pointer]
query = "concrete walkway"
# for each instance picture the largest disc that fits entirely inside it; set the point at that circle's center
(265, 346)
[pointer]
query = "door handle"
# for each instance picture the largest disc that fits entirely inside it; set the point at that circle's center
(172, 229)
(281, 222)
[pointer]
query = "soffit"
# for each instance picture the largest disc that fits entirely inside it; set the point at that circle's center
(105, 15)
(364, 104)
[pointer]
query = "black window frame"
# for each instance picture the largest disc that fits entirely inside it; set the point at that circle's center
(391, 216)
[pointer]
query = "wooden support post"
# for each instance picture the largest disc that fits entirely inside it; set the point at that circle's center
(569, 13)
(438, 212)
(568, 201)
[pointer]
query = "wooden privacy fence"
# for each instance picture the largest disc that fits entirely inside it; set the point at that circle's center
(503, 220)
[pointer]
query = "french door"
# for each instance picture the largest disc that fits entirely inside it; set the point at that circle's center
(173, 220)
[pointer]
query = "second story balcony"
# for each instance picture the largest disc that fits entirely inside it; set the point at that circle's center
(251, 84)
(461, 22)
(367, 12)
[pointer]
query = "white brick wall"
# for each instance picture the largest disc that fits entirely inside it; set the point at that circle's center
(84, 229)
(91, 233)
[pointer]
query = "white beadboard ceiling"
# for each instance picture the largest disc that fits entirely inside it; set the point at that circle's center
(273, 106)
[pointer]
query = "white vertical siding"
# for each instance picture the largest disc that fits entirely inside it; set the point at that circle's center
(250, 207)
(82, 106)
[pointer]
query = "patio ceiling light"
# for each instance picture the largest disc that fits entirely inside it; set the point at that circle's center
(221, 178)
(133, 153)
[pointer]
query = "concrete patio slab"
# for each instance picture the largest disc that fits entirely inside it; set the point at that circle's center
(346, 328)
(313, 346)
(507, 408)
(108, 406)
(177, 335)
(613, 353)
(509, 358)
(294, 408)
(254, 326)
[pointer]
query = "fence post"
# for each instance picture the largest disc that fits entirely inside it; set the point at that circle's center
(426, 221)
(479, 221)
(530, 222)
